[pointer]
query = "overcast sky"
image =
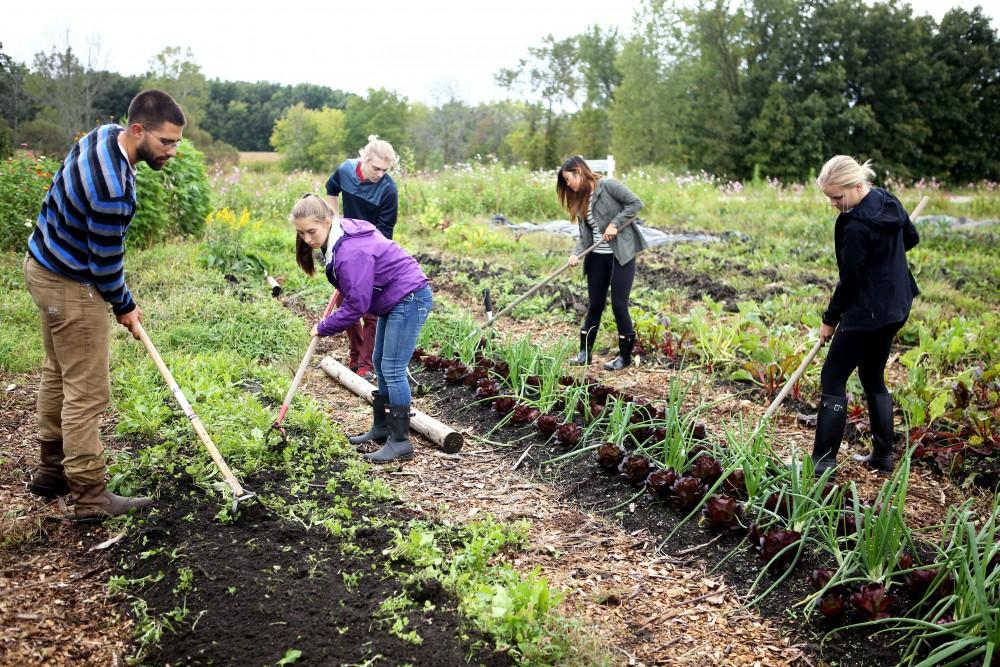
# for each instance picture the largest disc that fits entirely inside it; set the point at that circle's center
(426, 50)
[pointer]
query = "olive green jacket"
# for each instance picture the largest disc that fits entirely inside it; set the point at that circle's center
(613, 203)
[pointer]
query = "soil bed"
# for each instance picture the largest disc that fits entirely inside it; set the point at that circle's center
(594, 490)
(263, 586)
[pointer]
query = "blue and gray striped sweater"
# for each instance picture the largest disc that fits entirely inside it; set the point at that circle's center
(80, 232)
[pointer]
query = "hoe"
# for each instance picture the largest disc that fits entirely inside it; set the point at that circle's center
(239, 493)
(303, 365)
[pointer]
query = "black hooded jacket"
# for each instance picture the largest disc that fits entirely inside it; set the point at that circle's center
(876, 287)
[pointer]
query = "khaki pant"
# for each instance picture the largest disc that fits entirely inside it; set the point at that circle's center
(75, 388)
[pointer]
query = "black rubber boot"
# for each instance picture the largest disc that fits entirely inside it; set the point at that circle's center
(880, 415)
(379, 432)
(624, 359)
(586, 348)
(830, 424)
(49, 480)
(397, 447)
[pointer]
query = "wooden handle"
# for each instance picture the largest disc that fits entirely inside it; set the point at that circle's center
(792, 380)
(220, 463)
(549, 278)
(919, 209)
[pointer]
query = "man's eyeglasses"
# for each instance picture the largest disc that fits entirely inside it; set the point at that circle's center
(166, 143)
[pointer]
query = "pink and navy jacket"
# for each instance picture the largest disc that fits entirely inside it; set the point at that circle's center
(372, 272)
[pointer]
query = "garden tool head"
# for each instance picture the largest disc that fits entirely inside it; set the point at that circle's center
(240, 494)
(282, 434)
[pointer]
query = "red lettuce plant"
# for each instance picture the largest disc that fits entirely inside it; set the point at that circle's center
(433, 362)
(722, 512)
(504, 405)
(660, 482)
(779, 504)
(568, 434)
(488, 388)
(699, 432)
(417, 353)
(736, 483)
(635, 468)
(776, 540)
(707, 469)
(873, 601)
(502, 368)
(475, 375)
(533, 381)
(524, 414)
(599, 393)
(687, 492)
(547, 424)
(567, 381)
(609, 455)
(820, 577)
(832, 605)
(457, 373)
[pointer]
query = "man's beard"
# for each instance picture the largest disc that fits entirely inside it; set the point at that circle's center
(150, 158)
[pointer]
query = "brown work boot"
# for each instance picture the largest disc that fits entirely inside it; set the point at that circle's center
(95, 503)
(49, 480)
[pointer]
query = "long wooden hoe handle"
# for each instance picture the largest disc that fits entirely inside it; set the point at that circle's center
(220, 463)
(303, 365)
(549, 278)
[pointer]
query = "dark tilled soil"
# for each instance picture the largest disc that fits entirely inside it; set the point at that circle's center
(731, 556)
(264, 586)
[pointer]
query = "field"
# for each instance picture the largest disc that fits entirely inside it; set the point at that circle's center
(591, 518)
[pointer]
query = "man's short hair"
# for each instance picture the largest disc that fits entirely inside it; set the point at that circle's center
(154, 108)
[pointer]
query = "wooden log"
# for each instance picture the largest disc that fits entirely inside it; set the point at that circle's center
(273, 284)
(440, 434)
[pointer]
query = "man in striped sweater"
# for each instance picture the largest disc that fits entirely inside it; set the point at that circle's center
(74, 269)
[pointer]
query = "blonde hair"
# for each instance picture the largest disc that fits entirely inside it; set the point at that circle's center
(380, 148)
(313, 207)
(843, 171)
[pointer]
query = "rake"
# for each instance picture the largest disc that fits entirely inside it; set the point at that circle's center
(240, 494)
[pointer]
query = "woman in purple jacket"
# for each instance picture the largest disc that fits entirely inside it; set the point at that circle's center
(375, 276)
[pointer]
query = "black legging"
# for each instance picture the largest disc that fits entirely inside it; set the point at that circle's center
(868, 351)
(604, 272)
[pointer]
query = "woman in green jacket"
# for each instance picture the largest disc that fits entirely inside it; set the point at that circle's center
(601, 207)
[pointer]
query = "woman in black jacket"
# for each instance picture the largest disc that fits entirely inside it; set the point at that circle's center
(601, 207)
(869, 306)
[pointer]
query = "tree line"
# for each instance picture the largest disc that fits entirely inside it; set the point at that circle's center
(751, 89)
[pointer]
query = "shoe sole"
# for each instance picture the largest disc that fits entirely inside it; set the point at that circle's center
(47, 492)
(405, 457)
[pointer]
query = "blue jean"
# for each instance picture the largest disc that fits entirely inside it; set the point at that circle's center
(395, 339)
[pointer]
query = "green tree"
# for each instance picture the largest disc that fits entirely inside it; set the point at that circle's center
(174, 71)
(67, 90)
(382, 112)
(310, 139)
(16, 105)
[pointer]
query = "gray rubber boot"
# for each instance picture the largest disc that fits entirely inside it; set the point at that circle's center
(624, 359)
(830, 423)
(379, 431)
(397, 447)
(880, 415)
(586, 348)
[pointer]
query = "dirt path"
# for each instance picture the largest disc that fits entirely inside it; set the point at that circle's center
(54, 605)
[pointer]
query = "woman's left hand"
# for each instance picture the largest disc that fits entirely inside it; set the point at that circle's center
(315, 330)
(610, 233)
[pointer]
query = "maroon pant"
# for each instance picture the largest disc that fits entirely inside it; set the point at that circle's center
(360, 339)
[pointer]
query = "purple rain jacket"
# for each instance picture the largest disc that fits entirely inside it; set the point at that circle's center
(372, 272)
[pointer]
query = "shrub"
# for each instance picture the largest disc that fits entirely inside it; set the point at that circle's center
(173, 201)
(24, 180)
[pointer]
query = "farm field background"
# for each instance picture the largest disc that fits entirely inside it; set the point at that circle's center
(482, 546)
